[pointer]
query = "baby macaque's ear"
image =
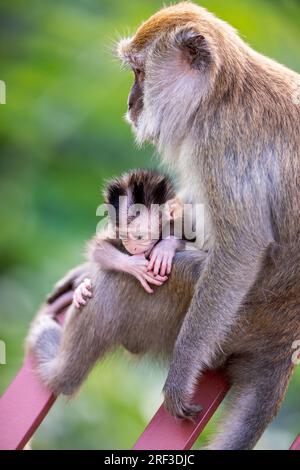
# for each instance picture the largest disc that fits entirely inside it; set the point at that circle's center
(195, 48)
(174, 208)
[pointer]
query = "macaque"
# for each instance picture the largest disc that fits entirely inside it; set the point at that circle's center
(121, 249)
(223, 118)
(139, 226)
(139, 239)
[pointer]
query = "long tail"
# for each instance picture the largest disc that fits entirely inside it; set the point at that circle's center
(47, 344)
(43, 343)
(255, 401)
(65, 355)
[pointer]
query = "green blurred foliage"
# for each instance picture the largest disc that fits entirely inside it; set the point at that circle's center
(61, 135)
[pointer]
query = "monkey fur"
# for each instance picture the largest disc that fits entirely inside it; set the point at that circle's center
(256, 357)
(223, 118)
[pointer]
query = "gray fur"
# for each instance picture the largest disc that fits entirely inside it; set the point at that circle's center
(230, 129)
(256, 356)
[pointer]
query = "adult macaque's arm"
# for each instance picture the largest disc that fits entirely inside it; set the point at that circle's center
(230, 271)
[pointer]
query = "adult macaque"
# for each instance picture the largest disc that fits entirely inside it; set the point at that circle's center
(223, 116)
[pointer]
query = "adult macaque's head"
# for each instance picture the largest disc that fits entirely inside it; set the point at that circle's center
(177, 57)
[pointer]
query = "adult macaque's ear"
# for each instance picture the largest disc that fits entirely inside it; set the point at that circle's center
(195, 48)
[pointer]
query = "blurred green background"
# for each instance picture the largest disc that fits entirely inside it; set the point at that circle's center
(61, 134)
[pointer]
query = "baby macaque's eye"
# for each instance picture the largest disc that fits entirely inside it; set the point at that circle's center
(137, 236)
(140, 236)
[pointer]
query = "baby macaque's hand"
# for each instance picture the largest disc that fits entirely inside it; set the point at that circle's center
(82, 293)
(137, 265)
(161, 257)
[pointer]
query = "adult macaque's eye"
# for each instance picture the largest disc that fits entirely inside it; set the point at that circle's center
(138, 73)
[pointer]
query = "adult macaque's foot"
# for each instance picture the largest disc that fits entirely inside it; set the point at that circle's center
(178, 405)
(82, 293)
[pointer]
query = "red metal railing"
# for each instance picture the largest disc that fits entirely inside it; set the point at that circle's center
(26, 402)
(165, 433)
(296, 443)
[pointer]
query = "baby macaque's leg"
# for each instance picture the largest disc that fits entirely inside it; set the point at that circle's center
(65, 355)
(161, 257)
(72, 279)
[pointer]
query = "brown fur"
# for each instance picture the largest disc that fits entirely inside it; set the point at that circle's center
(120, 312)
(147, 187)
(223, 117)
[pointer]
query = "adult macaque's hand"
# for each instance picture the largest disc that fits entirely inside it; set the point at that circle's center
(137, 265)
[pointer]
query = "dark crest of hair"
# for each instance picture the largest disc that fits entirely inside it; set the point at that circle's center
(143, 186)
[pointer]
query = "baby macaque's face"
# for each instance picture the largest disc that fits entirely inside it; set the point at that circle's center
(142, 233)
(134, 247)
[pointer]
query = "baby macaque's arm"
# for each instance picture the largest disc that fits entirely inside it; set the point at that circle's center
(161, 257)
(107, 253)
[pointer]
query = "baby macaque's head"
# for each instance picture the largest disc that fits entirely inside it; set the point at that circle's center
(140, 203)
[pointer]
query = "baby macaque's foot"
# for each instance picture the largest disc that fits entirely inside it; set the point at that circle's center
(161, 257)
(82, 293)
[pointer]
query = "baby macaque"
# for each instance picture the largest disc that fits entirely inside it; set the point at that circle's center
(140, 235)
